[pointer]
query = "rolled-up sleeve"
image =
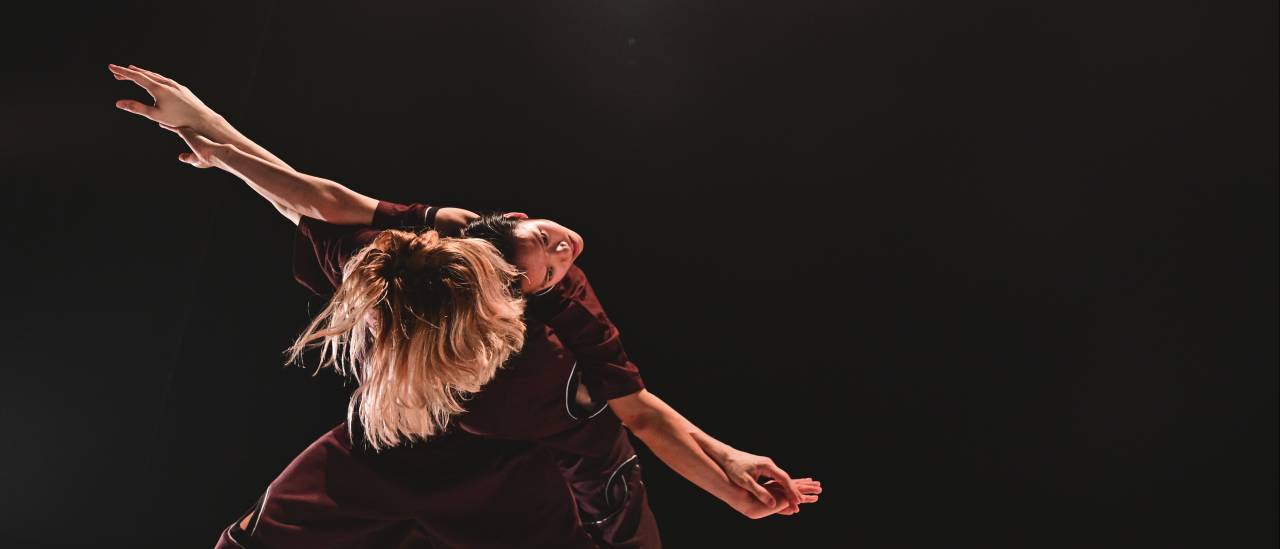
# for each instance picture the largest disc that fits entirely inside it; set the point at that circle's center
(389, 215)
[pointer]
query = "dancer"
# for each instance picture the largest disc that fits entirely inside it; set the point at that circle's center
(690, 452)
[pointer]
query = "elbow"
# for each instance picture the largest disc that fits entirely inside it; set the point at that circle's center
(341, 206)
(641, 421)
(641, 425)
(641, 412)
(328, 206)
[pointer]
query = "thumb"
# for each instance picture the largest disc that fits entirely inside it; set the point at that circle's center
(136, 108)
(757, 490)
(790, 491)
(193, 137)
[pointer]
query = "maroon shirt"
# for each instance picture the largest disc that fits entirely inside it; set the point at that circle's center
(527, 399)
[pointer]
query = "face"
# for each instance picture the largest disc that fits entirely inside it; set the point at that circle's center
(544, 251)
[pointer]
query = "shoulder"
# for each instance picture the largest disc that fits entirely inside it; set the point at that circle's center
(574, 281)
(572, 294)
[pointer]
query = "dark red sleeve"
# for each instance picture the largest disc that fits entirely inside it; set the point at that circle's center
(574, 312)
(321, 249)
(389, 215)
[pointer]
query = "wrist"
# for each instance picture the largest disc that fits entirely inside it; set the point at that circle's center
(715, 449)
(743, 502)
(221, 155)
(214, 126)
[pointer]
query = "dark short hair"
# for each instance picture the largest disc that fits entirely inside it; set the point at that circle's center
(499, 230)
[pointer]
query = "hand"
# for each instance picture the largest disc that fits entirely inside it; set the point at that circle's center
(203, 151)
(175, 105)
(744, 469)
(750, 505)
(808, 488)
(451, 221)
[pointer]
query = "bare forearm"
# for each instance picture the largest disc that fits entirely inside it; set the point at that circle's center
(307, 195)
(674, 440)
(716, 450)
(219, 130)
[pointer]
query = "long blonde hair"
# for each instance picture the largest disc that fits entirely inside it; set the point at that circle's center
(421, 322)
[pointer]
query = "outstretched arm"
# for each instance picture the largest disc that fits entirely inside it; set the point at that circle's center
(176, 105)
(710, 464)
(307, 195)
(291, 192)
(297, 192)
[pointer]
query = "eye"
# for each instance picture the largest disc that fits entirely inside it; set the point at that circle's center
(546, 240)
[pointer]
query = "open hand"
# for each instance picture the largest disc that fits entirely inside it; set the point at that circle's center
(174, 106)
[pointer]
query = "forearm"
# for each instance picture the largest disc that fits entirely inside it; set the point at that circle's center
(716, 450)
(304, 194)
(219, 130)
(674, 440)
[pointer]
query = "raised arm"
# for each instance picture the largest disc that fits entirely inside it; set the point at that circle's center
(291, 192)
(722, 471)
(297, 192)
(176, 106)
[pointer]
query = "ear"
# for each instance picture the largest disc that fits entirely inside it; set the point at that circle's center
(516, 215)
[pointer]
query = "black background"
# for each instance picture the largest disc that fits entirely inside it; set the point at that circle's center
(999, 274)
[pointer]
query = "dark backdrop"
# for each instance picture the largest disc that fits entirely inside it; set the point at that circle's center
(1001, 274)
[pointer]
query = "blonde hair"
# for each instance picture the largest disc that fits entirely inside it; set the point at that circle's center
(421, 322)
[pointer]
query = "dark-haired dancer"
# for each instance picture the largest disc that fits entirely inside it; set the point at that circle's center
(588, 447)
